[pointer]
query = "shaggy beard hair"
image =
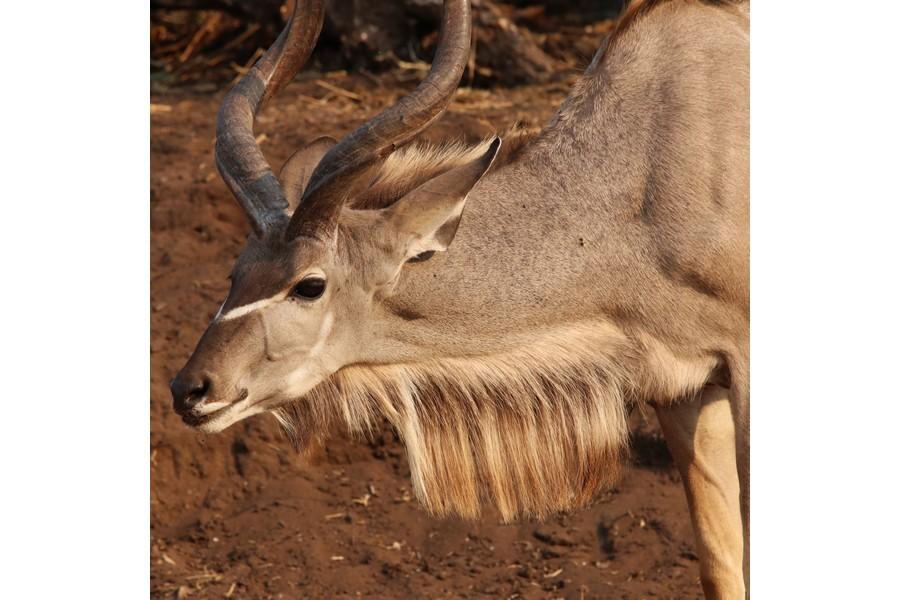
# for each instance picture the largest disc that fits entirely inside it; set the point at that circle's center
(533, 431)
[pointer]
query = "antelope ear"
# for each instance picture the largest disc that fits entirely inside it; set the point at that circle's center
(297, 170)
(426, 218)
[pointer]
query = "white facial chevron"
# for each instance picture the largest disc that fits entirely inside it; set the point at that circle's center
(246, 309)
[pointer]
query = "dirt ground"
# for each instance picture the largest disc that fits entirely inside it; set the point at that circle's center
(242, 515)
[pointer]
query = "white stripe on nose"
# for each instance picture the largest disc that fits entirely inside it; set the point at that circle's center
(246, 309)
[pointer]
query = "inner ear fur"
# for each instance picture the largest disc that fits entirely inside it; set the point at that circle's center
(297, 170)
(426, 219)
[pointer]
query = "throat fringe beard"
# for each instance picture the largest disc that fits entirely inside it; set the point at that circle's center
(532, 431)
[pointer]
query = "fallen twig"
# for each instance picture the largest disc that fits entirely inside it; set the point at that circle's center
(338, 90)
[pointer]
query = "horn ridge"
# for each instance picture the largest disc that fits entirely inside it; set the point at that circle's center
(239, 158)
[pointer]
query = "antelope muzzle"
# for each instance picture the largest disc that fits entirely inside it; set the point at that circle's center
(200, 392)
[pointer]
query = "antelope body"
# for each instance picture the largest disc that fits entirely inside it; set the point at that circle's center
(503, 305)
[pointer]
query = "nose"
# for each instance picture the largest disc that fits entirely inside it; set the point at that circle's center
(188, 391)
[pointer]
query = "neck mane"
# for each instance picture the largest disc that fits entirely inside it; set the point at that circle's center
(534, 431)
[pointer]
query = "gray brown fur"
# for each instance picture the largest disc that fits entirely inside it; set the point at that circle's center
(650, 238)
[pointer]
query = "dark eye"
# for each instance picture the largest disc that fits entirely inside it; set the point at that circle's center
(309, 288)
(421, 257)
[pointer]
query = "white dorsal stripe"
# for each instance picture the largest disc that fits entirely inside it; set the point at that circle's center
(240, 311)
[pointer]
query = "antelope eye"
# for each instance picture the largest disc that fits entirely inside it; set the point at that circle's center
(309, 288)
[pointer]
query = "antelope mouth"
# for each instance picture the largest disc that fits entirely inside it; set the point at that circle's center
(197, 420)
(216, 416)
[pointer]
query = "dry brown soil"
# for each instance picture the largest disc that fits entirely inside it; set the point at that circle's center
(241, 515)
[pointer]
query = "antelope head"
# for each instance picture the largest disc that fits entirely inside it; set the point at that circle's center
(316, 266)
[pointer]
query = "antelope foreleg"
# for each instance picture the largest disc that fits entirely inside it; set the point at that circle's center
(701, 436)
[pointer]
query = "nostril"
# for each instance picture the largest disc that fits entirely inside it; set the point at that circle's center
(188, 394)
(197, 393)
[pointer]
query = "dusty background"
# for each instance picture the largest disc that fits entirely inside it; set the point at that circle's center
(241, 515)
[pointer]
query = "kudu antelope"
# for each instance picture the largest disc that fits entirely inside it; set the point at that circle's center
(503, 308)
